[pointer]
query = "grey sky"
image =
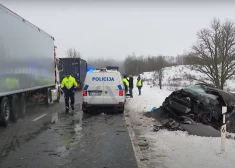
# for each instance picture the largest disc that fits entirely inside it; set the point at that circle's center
(116, 29)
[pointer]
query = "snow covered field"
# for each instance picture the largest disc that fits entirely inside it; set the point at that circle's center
(176, 77)
(173, 149)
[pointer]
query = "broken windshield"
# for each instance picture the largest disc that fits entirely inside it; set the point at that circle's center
(200, 92)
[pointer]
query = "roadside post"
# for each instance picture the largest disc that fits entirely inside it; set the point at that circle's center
(223, 129)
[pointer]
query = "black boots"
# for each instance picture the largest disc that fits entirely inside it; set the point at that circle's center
(67, 110)
(72, 107)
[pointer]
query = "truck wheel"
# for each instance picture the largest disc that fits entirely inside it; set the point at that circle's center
(48, 97)
(22, 105)
(15, 105)
(5, 111)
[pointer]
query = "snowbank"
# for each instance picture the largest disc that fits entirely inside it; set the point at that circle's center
(178, 150)
(175, 149)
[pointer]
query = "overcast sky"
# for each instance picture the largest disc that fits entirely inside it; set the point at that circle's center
(115, 30)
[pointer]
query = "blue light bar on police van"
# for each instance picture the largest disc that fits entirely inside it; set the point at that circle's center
(90, 70)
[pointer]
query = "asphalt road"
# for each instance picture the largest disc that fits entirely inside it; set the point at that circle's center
(48, 138)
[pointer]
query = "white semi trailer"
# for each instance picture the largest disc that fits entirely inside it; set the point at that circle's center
(28, 66)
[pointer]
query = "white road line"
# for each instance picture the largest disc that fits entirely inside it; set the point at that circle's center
(134, 142)
(43, 115)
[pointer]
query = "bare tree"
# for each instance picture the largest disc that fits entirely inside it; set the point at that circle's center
(73, 53)
(160, 65)
(214, 53)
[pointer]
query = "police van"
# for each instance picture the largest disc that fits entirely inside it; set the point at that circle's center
(103, 89)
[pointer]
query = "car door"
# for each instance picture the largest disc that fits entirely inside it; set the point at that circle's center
(94, 88)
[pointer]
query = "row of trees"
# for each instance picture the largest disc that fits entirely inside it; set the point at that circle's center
(102, 63)
(73, 53)
(138, 64)
(213, 55)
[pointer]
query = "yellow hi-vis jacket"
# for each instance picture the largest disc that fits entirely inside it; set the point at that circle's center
(139, 82)
(125, 81)
(69, 82)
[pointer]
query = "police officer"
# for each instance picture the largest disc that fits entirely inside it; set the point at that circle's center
(68, 86)
(139, 84)
(126, 83)
(131, 85)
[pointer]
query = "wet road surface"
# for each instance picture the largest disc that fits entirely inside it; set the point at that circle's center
(49, 138)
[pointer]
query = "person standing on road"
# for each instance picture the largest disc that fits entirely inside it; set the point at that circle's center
(68, 86)
(131, 85)
(126, 83)
(139, 84)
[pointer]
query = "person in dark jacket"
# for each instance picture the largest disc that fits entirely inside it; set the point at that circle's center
(131, 85)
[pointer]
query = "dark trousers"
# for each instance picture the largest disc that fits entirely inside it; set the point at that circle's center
(69, 95)
(139, 88)
(126, 88)
(131, 91)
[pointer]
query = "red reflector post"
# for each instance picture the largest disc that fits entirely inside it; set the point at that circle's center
(84, 92)
(120, 92)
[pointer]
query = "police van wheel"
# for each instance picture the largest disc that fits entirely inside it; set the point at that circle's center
(5, 111)
(15, 104)
(85, 111)
(121, 110)
(22, 105)
(48, 97)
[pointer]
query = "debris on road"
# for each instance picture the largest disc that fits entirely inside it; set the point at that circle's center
(54, 154)
(144, 159)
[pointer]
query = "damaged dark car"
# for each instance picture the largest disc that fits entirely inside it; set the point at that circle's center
(202, 104)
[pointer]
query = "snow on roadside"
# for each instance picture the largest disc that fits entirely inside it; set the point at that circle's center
(176, 149)
(179, 149)
(149, 98)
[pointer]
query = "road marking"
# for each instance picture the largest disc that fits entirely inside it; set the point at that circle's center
(43, 115)
(135, 146)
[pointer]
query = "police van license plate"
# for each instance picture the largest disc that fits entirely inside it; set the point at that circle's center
(95, 93)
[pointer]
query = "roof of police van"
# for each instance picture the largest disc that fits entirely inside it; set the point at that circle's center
(102, 70)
